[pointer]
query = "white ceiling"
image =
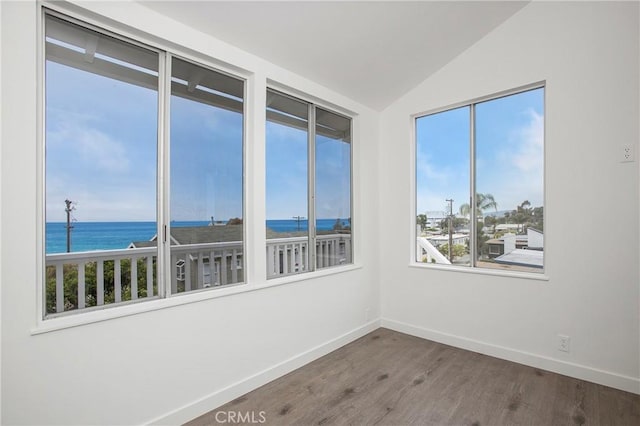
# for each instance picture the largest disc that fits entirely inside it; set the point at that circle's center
(371, 52)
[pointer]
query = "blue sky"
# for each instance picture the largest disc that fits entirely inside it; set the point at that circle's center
(100, 147)
(101, 143)
(286, 165)
(509, 153)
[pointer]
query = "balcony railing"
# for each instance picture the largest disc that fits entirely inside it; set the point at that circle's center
(90, 280)
(289, 256)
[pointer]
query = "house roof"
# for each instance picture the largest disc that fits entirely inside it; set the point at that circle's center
(182, 235)
(521, 257)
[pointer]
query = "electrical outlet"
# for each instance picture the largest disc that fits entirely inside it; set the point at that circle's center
(627, 154)
(564, 343)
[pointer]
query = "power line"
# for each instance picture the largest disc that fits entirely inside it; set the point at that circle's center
(298, 219)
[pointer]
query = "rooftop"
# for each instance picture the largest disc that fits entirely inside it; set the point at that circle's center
(521, 257)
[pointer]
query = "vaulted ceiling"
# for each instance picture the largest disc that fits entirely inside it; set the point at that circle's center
(371, 52)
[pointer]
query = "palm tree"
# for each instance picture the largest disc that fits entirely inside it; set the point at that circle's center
(522, 214)
(483, 202)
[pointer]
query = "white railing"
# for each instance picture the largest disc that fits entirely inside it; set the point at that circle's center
(84, 280)
(289, 256)
(197, 266)
(96, 278)
(88, 268)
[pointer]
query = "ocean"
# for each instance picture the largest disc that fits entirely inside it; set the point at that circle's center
(88, 236)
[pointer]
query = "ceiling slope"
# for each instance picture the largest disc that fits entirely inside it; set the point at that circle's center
(371, 52)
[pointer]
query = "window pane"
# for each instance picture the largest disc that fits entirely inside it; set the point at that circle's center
(442, 187)
(206, 178)
(100, 145)
(287, 185)
(510, 182)
(333, 189)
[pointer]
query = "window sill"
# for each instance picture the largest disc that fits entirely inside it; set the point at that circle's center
(272, 282)
(481, 271)
(107, 313)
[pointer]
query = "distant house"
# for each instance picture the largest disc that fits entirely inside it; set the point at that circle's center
(194, 247)
(497, 245)
(206, 272)
(434, 218)
(438, 240)
(508, 227)
(521, 250)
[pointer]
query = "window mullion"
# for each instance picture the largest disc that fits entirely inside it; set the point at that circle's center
(473, 225)
(312, 186)
(164, 231)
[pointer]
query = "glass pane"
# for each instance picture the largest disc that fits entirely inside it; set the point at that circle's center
(100, 144)
(442, 187)
(333, 189)
(206, 178)
(510, 181)
(287, 185)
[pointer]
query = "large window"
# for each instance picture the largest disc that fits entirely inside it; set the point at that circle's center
(308, 187)
(143, 172)
(206, 178)
(490, 155)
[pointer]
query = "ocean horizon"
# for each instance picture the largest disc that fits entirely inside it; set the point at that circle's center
(90, 236)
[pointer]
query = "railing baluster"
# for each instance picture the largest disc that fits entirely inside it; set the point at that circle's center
(306, 255)
(81, 286)
(134, 278)
(285, 259)
(149, 276)
(187, 274)
(271, 260)
(320, 255)
(201, 270)
(234, 266)
(292, 259)
(117, 278)
(174, 274)
(223, 268)
(334, 252)
(100, 283)
(59, 287)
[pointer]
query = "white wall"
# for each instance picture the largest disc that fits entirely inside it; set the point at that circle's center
(588, 54)
(173, 363)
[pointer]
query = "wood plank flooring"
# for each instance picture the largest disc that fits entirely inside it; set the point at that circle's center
(390, 378)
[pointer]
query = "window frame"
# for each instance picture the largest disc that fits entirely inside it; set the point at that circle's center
(312, 106)
(164, 268)
(472, 268)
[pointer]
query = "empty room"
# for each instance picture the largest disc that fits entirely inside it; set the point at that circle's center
(317, 213)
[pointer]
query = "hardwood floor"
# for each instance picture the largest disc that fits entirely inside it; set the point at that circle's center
(390, 378)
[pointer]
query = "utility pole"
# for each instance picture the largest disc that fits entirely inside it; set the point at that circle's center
(450, 230)
(298, 219)
(68, 209)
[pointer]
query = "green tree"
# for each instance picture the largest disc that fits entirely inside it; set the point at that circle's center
(491, 221)
(537, 218)
(458, 250)
(421, 220)
(457, 223)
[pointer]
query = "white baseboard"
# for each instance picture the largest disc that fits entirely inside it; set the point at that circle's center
(606, 378)
(222, 396)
